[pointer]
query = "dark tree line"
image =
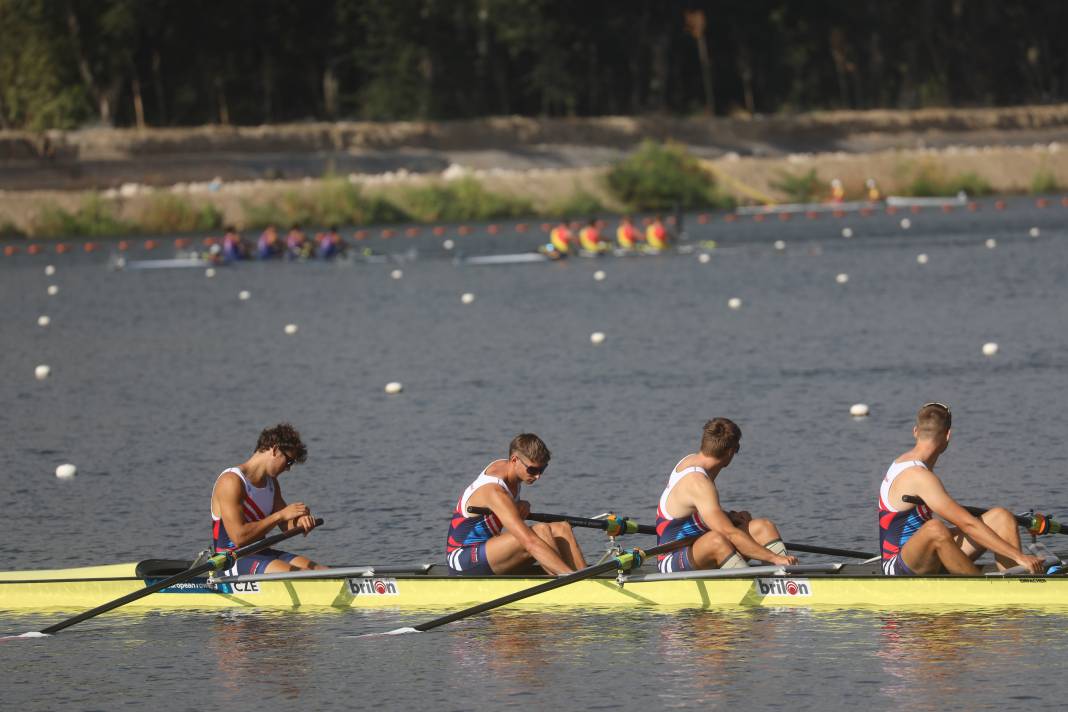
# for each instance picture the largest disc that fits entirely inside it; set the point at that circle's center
(65, 63)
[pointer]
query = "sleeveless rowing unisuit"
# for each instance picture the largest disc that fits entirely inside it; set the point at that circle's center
(670, 529)
(258, 504)
(897, 526)
(465, 544)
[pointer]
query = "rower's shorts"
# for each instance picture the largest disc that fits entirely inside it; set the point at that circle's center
(469, 561)
(678, 560)
(894, 566)
(257, 563)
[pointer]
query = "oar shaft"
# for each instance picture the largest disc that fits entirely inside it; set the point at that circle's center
(1038, 523)
(588, 572)
(216, 562)
(829, 551)
(630, 526)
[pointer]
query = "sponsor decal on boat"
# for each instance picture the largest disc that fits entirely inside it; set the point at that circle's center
(373, 586)
(783, 588)
(238, 587)
(192, 586)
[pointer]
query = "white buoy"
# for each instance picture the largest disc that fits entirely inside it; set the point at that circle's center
(905, 223)
(990, 348)
(991, 243)
(467, 297)
(448, 244)
(51, 269)
(841, 278)
(847, 232)
(734, 303)
(209, 272)
(921, 258)
(244, 295)
(42, 372)
(396, 274)
(859, 410)
(599, 275)
(66, 471)
(291, 329)
(394, 387)
(704, 258)
(597, 338)
(53, 290)
(780, 245)
(43, 320)
(1034, 232)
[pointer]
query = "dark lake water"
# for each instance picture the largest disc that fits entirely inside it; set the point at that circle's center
(161, 379)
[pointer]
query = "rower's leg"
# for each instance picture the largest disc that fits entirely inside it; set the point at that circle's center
(713, 550)
(564, 543)
(304, 563)
(933, 548)
(1004, 525)
(505, 554)
(765, 533)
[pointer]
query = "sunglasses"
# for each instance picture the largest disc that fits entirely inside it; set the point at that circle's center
(290, 461)
(936, 404)
(531, 469)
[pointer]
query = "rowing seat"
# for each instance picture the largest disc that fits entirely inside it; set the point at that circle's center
(161, 568)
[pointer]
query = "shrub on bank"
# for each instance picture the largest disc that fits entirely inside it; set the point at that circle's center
(800, 187)
(331, 202)
(659, 177)
(1044, 182)
(580, 202)
(166, 212)
(463, 199)
(929, 180)
(96, 217)
(9, 229)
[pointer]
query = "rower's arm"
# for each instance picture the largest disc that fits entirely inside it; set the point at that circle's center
(305, 521)
(706, 500)
(928, 487)
(505, 509)
(229, 494)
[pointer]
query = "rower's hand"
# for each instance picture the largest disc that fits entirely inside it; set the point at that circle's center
(1034, 564)
(524, 508)
(295, 511)
(788, 560)
(307, 523)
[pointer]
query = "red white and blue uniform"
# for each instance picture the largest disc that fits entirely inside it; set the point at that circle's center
(465, 548)
(257, 504)
(670, 529)
(896, 526)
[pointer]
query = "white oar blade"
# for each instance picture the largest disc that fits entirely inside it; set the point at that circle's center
(395, 631)
(31, 634)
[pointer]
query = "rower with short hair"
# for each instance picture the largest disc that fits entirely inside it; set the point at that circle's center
(501, 542)
(690, 506)
(911, 540)
(247, 503)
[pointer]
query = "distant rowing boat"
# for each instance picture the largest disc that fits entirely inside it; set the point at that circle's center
(892, 201)
(121, 263)
(831, 585)
(540, 258)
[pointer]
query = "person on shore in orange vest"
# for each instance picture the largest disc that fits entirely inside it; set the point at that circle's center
(873, 190)
(590, 238)
(837, 191)
(561, 238)
(656, 235)
(627, 236)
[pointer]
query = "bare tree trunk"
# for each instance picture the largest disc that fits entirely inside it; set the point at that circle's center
(139, 105)
(157, 87)
(330, 93)
(220, 99)
(104, 98)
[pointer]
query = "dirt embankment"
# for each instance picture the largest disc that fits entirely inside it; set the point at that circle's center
(541, 158)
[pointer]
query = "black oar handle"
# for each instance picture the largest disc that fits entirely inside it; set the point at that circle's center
(1035, 523)
(622, 561)
(623, 525)
(215, 563)
(829, 551)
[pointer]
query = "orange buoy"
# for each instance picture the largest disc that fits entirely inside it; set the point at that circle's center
(973, 206)
(730, 217)
(915, 209)
(438, 231)
(783, 217)
(412, 232)
(10, 250)
(386, 234)
(150, 244)
(463, 230)
(891, 210)
(865, 212)
(947, 208)
(546, 227)
(492, 229)
(811, 214)
(208, 241)
(702, 219)
(521, 227)
(1041, 203)
(838, 214)
(1064, 202)
(999, 205)
(89, 247)
(33, 249)
(61, 249)
(180, 243)
(759, 217)
(360, 235)
(123, 245)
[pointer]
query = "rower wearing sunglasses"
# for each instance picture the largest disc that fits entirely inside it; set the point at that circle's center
(247, 503)
(690, 506)
(912, 541)
(501, 542)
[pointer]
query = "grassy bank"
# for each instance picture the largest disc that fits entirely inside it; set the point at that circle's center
(655, 177)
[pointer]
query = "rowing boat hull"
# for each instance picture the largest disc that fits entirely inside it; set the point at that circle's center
(76, 589)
